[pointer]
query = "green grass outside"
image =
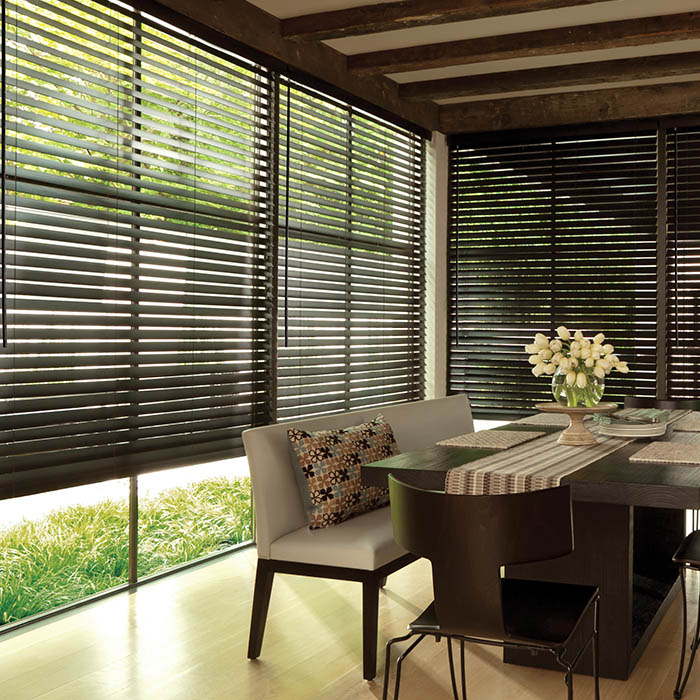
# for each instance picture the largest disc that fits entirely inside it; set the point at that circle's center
(75, 552)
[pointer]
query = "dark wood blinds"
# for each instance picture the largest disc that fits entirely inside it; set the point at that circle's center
(351, 257)
(683, 263)
(546, 232)
(138, 236)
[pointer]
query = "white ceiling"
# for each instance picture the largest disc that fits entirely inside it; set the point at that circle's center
(611, 10)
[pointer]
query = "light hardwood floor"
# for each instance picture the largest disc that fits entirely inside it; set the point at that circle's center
(185, 637)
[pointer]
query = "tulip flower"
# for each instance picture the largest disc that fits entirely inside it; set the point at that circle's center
(577, 363)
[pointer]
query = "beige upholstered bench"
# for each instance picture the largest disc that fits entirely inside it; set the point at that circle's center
(360, 549)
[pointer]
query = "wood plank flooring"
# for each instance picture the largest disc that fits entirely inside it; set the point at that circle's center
(185, 638)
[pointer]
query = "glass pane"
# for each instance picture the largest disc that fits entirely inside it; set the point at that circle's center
(187, 513)
(61, 546)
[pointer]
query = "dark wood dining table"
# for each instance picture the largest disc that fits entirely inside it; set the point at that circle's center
(629, 518)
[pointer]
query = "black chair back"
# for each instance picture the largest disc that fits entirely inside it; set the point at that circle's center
(469, 538)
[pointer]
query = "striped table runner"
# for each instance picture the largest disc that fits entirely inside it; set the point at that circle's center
(539, 464)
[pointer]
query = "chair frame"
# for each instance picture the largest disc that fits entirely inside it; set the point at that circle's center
(372, 581)
(279, 509)
(682, 679)
(558, 654)
(468, 606)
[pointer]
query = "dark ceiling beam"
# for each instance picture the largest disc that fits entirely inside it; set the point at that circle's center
(617, 71)
(589, 37)
(572, 108)
(256, 34)
(388, 16)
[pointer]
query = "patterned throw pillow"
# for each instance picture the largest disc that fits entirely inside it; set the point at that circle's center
(330, 462)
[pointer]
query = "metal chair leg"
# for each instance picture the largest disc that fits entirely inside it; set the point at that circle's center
(387, 661)
(463, 668)
(570, 683)
(399, 661)
(455, 694)
(596, 648)
(683, 679)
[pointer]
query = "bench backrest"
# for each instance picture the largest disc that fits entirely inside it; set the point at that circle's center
(278, 506)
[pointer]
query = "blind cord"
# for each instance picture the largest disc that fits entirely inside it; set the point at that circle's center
(286, 224)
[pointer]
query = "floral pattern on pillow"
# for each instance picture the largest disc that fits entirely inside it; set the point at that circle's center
(330, 461)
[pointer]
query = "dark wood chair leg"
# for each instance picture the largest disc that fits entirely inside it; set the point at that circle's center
(264, 577)
(370, 615)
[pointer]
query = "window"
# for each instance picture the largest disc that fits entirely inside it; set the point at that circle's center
(159, 191)
(350, 283)
(682, 289)
(545, 232)
(139, 231)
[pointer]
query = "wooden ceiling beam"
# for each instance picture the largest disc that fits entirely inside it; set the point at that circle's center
(389, 16)
(546, 42)
(572, 108)
(617, 71)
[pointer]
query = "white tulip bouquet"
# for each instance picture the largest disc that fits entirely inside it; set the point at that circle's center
(579, 364)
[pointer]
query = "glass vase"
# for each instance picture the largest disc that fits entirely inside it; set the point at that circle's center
(574, 396)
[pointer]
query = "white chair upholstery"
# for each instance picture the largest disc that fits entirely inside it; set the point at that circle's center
(279, 509)
(360, 549)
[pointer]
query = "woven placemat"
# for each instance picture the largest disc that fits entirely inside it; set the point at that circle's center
(491, 439)
(668, 453)
(688, 424)
(554, 420)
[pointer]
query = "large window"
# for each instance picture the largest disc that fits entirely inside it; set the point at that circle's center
(578, 229)
(170, 208)
(351, 191)
(138, 232)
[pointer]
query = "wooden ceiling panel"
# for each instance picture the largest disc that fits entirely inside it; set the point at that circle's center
(385, 17)
(494, 64)
(599, 72)
(611, 104)
(592, 37)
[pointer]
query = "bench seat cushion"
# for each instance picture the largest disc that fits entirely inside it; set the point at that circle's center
(363, 542)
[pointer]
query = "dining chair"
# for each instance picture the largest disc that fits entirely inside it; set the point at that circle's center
(687, 556)
(468, 540)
